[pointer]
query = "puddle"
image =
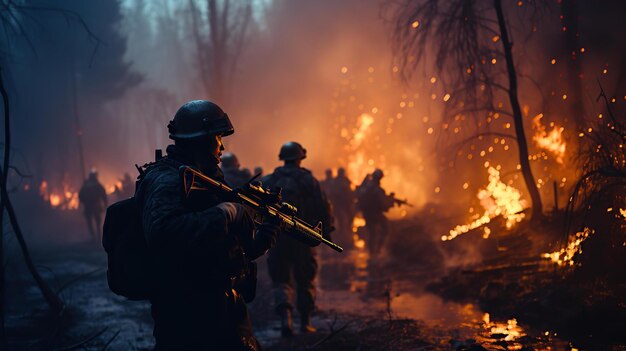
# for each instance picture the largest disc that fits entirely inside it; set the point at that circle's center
(350, 284)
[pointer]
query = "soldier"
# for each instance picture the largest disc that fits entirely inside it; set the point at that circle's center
(233, 174)
(93, 197)
(327, 184)
(200, 245)
(302, 190)
(126, 189)
(373, 202)
(258, 170)
(343, 205)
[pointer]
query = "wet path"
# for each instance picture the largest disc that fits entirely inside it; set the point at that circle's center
(350, 286)
(353, 282)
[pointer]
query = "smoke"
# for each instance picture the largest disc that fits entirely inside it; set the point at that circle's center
(310, 71)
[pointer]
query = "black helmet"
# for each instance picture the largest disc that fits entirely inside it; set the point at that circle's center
(292, 151)
(378, 174)
(229, 160)
(199, 118)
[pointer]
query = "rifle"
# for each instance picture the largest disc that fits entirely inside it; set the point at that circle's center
(262, 202)
(399, 202)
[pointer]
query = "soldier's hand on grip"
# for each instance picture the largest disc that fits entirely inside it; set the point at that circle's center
(238, 219)
(268, 231)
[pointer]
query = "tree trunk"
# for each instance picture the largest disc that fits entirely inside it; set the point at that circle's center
(51, 297)
(537, 208)
(569, 11)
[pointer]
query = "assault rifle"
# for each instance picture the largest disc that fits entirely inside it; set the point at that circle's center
(262, 202)
(399, 202)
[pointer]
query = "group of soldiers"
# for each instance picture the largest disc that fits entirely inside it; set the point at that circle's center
(203, 247)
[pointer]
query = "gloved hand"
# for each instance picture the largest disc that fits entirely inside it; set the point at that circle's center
(265, 237)
(268, 230)
(238, 219)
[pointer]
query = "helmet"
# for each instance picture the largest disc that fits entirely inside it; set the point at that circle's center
(229, 160)
(93, 174)
(292, 151)
(199, 118)
(341, 171)
(378, 174)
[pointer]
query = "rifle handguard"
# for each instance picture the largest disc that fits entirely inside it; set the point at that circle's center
(261, 201)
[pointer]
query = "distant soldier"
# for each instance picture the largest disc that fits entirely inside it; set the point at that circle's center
(258, 170)
(327, 186)
(127, 188)
(343, 206)
(233, 174)
(291, 257)
(373, 202)
(93, 197)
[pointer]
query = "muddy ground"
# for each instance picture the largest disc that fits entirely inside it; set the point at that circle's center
(409, 298)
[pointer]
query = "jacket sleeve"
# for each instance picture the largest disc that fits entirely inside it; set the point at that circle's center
(171, 229)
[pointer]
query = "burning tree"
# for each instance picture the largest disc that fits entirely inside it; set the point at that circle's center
(469, 39)
(601, 190)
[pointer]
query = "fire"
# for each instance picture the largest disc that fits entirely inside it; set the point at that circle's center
(498, 199)
(510, 329)
(357, 163)
(551, 141)
(64, 200)
(114, 187)
(565, 256)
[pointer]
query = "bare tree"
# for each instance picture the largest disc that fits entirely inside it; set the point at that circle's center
(13, 16)
(219, 31)
(469, 39)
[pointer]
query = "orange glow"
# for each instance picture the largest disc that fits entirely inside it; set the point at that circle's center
(358, 222)
(510, 329)
(551, 141)
(497, 199)
(565, 256)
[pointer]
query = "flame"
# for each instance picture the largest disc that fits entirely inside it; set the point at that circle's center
(510, 329)
(551, 141)
(357, 166)
(67, 199)
(497, 199)
(565, 256)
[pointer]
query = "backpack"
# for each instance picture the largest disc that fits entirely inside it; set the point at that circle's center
(129, 272)
(129, 264)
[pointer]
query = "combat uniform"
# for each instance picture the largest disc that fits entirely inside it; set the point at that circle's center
(199, 246)
(302, 190)
(373, 202)
(236, 177)
(343, 207)
(93, 197)
(194, 305)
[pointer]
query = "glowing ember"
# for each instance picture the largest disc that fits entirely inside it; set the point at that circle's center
(497, 199)
(551, 141)
(565, 256)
